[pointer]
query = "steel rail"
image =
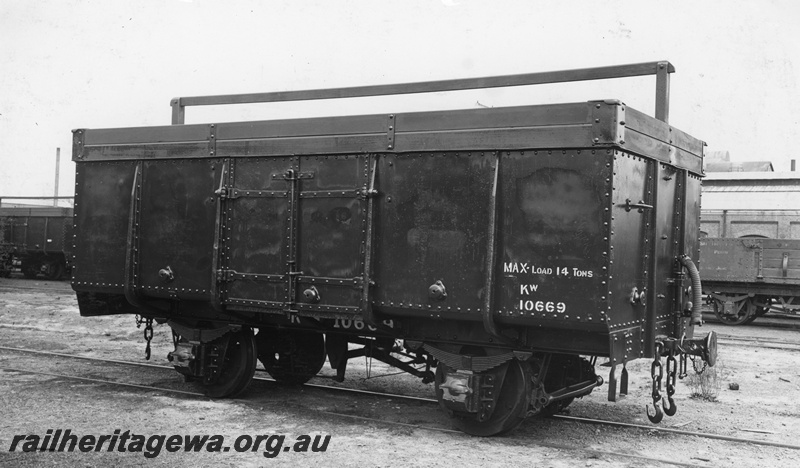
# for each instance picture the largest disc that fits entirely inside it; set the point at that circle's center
(353, 417)
(28, 288)
(263, 379)
(704, 435)
(396, 396)
(101, 381)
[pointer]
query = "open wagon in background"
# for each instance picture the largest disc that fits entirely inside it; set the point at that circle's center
(507, 248)
(35, 240)
(746, 278)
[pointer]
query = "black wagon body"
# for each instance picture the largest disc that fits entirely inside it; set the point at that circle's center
(36, 240)
(502, 245)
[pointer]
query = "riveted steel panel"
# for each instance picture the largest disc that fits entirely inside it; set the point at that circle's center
(630, 280)
(432, 226)
(102, 206)
(256, 232)
(332, 229)
(554, 240)
(176, 227)
(297, 223)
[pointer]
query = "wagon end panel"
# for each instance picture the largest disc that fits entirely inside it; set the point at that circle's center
(655, 224)
(102, 206)
(631, 265)
(552, 269)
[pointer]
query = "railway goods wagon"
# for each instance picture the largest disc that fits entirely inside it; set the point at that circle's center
(753, 223)
(744, 278)
(497, 252)
(36, 239)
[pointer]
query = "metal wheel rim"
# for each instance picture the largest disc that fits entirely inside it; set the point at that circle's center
(746, 311)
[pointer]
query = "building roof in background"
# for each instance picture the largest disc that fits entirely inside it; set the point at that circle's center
(751, 190)
(744, 166)
(748, 178)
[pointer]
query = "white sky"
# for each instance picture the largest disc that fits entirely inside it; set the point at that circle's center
(117, 63)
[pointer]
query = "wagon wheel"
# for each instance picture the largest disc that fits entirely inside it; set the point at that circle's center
(291, 356)
(760, 311)
(53, 270)
(744, 310)
(238, 366)
(30, 269)
(5, 264)
(511, 408)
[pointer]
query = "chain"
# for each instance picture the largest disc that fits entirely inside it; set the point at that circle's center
(148, 332)
(656, 375)
(672, 367)
(672, 373)
(694, 365)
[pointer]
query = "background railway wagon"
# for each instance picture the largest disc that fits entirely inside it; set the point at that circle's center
(35, 239)
(750, 244)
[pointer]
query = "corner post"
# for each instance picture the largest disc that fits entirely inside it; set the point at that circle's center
(178, 111)
(662, 91)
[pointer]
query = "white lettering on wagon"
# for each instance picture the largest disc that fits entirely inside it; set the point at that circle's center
(529, 291)
(542, 306)
(530, 269)
(358, 324)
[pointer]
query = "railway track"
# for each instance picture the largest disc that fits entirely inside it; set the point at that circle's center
(624, 456)
(407, 398)
(787, 322)
(56, 286)
(760, 342)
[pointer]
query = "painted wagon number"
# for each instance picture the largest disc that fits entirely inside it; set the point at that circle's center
(359, 324)
(542, 306)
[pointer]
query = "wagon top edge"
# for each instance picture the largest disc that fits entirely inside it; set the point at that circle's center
(601, 124)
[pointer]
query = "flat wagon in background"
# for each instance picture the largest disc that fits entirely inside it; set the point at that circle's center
(36, 240)
(506, 248)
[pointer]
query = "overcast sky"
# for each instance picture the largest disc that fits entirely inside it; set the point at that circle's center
(107, 63)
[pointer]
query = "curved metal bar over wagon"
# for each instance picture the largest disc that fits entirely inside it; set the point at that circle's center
(507, 248)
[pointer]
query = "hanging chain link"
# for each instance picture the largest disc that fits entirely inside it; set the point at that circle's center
(148, 335)
(656, 375)
(694, 365)
(672, 373)
(148, 332)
